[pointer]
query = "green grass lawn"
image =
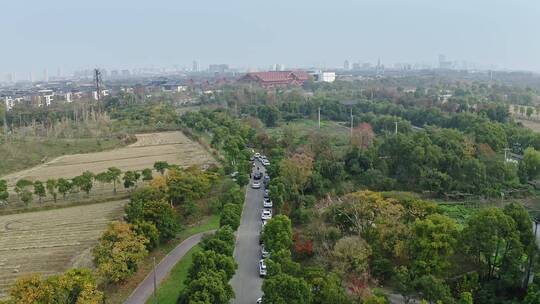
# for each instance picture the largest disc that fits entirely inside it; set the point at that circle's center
(170, 288)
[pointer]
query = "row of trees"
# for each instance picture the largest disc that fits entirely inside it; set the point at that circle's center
(214, 266)
(26, 189)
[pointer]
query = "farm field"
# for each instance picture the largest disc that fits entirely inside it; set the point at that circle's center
(52, 241)
(29, 151)
(172, 147)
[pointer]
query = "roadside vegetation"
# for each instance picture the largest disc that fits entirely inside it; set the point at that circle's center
(344, 241)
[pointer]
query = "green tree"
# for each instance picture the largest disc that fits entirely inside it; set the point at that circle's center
(491, 241)
(529, 166)
(130, 179)
(52, 187)
(529, 111)
(39, 190)
(4, 194)
(277, 234)
(286, 289)
(21, 188)
(208, 261)
(114, 176)
(523, 222)
(209, 288)
(269, 114)
(159, 213)
(432, 244)
(222, 241)
(64, 186)
(433, 289)
(119, 252)
(327, 287)
(161, 166)
(146, 174)
(230, 216)
(84, 182)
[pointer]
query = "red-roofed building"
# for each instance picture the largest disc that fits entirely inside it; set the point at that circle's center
(277, 78)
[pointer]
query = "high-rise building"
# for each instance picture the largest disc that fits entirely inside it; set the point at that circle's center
(45, 75)
(346, 65)
(195, 67)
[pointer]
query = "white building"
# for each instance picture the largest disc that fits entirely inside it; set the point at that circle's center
(9, 102)
(321, 76)
(45, 97)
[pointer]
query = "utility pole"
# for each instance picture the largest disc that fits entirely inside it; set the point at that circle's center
(97, 80)
(505, 154)
(352, 122)
(531, 255)
(319, 117)
(5, 124)
(155, 283)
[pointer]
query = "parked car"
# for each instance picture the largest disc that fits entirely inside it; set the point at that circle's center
(262, 268)
(258, 175)
(266, 193)
(256, 185)
(259, 301)
(257, 155)
(266, 214)
(264, 253)
(267, 203)
(265, 162)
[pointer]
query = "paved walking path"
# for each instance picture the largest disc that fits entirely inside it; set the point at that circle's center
(146, 288)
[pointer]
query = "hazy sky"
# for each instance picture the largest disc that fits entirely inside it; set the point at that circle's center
(73, 34)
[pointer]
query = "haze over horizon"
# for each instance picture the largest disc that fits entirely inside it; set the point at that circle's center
(41, 35)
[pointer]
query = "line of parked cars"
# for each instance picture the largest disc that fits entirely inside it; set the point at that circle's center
(262, 180)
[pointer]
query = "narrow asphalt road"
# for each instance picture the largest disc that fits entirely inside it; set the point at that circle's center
(146, 288)
(246, 281)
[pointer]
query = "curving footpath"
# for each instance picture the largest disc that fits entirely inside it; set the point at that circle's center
(145, 290)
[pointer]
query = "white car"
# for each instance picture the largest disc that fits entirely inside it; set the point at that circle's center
(256, 185)
(267, 203)
(262, 268)
(266, 214)
(265, 162)
(264, 253)
(257, 155)
(259, 301)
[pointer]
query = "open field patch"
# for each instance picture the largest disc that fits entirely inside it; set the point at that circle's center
(49, 242)
(172, 147)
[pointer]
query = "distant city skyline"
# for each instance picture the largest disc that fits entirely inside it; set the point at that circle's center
(255, 34)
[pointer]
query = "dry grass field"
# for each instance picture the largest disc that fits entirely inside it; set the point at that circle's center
(172, 147)
(50, 242)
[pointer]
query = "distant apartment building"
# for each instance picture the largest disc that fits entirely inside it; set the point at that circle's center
(195, 66)
(9, 102)
(276, 78)
(324, 76)
(346, 65)
(43, 98)
(218, 68)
